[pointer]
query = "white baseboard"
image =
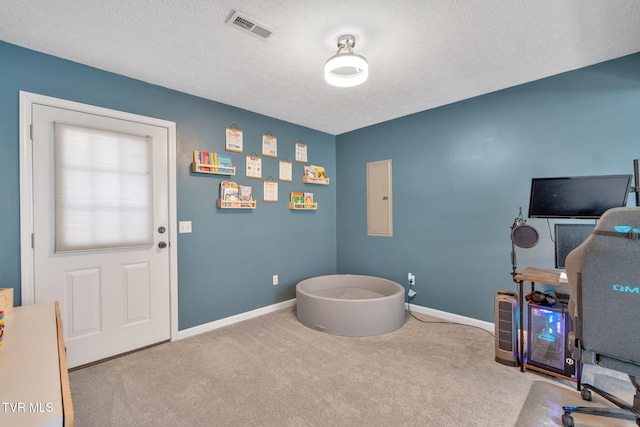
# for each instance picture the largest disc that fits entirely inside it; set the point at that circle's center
(289, 303)
(233, 319)
(488, 326)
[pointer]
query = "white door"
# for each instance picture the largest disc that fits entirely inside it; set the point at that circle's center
(101, 230)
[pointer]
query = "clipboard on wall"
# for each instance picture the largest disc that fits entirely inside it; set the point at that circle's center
(253, 167)
(233, 139)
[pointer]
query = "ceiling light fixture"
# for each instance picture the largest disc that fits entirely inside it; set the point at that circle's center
(346, 69)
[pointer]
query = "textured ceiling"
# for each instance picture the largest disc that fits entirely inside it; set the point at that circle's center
(422, 54)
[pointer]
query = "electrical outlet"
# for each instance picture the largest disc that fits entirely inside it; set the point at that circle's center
(275, 279)
(184, 227)
(412, 279)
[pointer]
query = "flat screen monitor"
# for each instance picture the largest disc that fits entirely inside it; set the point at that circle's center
(569, 237)
(577, 196)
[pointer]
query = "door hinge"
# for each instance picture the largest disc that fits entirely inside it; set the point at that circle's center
(33, 241)
(31, 131)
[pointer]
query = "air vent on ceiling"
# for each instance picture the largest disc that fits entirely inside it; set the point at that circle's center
(250, 25)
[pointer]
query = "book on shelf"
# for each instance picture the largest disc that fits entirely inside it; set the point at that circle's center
(223, 159)
(199, 159)
(315, 172)
(297, 197)
(202, 159)
(229, 191)
(206, 160)
(308, 198)
(245, 192)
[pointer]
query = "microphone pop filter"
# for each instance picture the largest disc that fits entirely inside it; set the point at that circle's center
(524, 236)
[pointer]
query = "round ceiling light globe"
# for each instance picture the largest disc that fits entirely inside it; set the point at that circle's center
(346, 70)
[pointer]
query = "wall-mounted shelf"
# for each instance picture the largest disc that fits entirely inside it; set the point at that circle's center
(236, 204)
(303, 206)
(310, 180)
(216, 169)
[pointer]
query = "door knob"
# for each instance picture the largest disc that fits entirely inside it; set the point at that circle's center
(162, 245)
(161, 230)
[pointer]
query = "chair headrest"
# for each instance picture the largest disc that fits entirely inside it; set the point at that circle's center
(620, 220)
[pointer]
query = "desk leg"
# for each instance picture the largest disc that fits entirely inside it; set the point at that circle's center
(521, 325)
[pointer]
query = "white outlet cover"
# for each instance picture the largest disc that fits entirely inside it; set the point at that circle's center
(184, 226)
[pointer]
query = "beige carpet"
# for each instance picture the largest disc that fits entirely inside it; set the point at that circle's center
(273, 371)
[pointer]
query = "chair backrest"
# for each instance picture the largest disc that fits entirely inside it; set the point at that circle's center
(604, 276)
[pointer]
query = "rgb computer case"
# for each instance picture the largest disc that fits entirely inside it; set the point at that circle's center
(548, 328)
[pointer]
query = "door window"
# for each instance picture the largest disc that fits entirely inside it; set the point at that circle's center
(103, 189)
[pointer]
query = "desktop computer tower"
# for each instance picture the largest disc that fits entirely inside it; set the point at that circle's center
(548, 328)
(506, 328)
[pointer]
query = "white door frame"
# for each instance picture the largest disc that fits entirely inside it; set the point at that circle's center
(26, 192)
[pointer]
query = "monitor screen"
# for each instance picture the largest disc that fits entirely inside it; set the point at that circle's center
(577, 196)
(569, 237)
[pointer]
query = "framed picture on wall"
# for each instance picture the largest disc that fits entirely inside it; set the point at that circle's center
(254, 167)
(270, 190)
(301, 152)
(233, 140)
(285, 171)
(269, 145)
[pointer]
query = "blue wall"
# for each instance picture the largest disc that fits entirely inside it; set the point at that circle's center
(461, 172)
(225, 266)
